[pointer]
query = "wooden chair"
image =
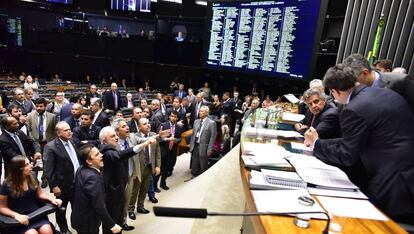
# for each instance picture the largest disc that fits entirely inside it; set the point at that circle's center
(184, 146)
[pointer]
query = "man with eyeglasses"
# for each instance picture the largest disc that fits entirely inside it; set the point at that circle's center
(321, 115)
(20, 101)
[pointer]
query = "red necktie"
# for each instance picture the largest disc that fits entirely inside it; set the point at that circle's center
(171, 143)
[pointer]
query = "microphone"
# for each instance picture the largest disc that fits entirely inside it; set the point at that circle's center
(203, 213)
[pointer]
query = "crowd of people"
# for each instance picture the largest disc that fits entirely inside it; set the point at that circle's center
(86, 148)
(106, 166)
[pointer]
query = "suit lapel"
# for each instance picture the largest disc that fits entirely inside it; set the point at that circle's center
(62, 148)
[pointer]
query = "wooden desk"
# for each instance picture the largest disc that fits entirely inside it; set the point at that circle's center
(184, 145)
(279, 224)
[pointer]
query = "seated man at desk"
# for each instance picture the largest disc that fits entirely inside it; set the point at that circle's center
(321, 115)
(377, 131)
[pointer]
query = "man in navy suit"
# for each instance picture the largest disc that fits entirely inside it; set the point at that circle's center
(19, 100)
(87, 133)
(168, 147)
(181, 93)
(112, 98)
(321, 115)
(89, 208)
(400, 83)
(61, 163)
(101, 119)
(377, 131)
(74, 119)
(14, 142)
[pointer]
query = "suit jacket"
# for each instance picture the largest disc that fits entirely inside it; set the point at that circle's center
(88, 207)
(156, 119)
(177, 135)
(102, 120)
(227, 108)
(26, 106)
(82, 134)
(194, 112)
(65, 111)
(133, 126)
(379, 136)
(154, 151)
(115, 174)
(9, 148)
(72, 122)
(33, 125)
(59, 168)
(177, 94)
(326, 123)
(207, 136)
(400, 83)
(109, 102)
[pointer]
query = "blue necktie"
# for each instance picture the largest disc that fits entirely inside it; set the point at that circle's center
(72, 155)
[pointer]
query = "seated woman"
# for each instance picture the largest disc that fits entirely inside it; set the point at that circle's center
(18, 196)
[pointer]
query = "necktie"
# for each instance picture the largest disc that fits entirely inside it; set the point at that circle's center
(199, 131)
(115, 100)
(313, 120)
(76, 122)
(72, 156)
(171, 143)
(147, 156)
(19, 144)
(41, 127)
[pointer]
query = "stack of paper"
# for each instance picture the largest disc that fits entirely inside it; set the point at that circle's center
(285, 201)
(269, 162)
(288, 116)
(258, 181)
(354, 208)
(288, 134)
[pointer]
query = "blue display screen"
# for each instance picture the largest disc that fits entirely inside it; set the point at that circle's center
(274, 38)
(131, 5)
(61, 1)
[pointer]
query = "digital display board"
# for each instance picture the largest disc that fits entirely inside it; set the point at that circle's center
(11, 31)
(274, 38)
(131, 5)
(61, 1)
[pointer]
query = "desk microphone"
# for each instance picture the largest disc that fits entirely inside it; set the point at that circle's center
(203, 213)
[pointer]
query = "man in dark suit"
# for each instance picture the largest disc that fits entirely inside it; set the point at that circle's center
(101, 119)
(115, 173)
(91, 94)
(61, 163)
(181, 93)
(202, 141)
(195, 108)
(66, 109)
(19, 100)
(89, 208)
(322, 116)
(376, 128)
(133, 123)
(15, 111)
(237, 111)
(112, 98)
(74, 119)
(400, 83)
(157, 116)
(168, 147)
(87, 133)
(176, 106)
(14, 142)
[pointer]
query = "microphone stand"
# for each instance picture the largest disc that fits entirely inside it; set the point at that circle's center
(203, 213)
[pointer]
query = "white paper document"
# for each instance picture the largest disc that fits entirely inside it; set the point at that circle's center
(288, 116)
(260, 149)
(315, 172)
(258, 181)
(285, 201)
(288, 134)
(291, 98)
(337, 193)
(353, 208)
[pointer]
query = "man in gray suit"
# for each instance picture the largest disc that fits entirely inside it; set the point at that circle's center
(41, 127)
(202, 141)
(149, 163)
